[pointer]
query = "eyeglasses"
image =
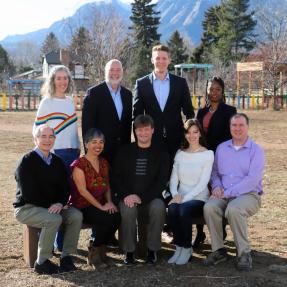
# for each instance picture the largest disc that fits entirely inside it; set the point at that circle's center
(50, 137)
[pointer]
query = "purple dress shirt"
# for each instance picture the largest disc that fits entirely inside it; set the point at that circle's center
(238, 171)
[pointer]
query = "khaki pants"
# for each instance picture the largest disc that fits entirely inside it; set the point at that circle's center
(236, 210)
(49, 223)
(152, 214)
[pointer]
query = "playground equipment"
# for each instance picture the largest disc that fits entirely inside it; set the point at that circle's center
(255, 71)
(198, 72)
(23, 94)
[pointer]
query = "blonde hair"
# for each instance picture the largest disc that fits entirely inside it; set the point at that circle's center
(48, 90)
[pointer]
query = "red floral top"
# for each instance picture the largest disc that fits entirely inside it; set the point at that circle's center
(97, 183)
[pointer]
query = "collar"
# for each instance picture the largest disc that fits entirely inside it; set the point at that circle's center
(154, 77)
(112, 91)
(247, 144)
(45, 159)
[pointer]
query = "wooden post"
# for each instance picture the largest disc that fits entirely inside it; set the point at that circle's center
(238, 83)
(30, 244)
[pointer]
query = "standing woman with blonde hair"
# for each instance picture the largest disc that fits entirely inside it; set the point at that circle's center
(58, 111)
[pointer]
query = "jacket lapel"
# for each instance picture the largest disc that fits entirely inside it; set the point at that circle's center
(171, 91)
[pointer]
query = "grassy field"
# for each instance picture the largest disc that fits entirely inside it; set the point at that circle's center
(268, 228)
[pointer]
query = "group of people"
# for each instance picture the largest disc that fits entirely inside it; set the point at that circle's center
(209, 165)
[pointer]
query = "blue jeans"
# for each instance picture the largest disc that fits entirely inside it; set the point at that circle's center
(67, 155)
(180, 216)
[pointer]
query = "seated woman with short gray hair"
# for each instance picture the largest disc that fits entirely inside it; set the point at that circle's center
(42, 193)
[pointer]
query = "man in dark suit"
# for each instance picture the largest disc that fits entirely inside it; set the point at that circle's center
(108, 107)
(163, 96)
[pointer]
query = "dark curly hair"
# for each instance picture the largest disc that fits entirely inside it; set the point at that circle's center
(220, 82)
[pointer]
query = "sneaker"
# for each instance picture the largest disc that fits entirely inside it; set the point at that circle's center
(129, 258)
(175, 256)
(216, 257)
(184, 256)
(151, 257)
(66, 264)
(244, 262)
(47, 267)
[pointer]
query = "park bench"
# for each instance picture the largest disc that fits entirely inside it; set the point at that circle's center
(30, 243)
(31, 236)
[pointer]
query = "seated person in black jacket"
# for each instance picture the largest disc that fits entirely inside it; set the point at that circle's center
(140, 174)
(42, 193)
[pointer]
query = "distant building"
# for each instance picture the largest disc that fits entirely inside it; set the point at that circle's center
(63, 57)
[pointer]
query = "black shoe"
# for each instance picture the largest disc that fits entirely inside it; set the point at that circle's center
(129, 258)
(47, 267)
(151, 257)
(200, 237)
(113, 242)
(67, 265)
(216, 257)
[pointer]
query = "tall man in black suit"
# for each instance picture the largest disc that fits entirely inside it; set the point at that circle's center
(163, 96)
(108, 107)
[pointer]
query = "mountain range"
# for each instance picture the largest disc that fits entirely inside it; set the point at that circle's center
(183, 15)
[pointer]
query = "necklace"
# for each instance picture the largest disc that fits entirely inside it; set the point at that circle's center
(212, 110)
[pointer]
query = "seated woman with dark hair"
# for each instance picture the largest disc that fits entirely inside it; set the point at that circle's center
(188, 186)
(92, 195)
(42, 193)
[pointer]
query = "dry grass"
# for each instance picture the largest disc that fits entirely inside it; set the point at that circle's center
(268, 231)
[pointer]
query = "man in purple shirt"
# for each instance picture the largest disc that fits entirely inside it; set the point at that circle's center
(236, 181)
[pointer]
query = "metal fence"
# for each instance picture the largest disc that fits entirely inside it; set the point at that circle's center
(30, 102)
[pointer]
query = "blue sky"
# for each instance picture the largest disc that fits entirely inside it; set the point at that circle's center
(23, 16)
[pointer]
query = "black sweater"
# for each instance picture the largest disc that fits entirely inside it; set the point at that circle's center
(125, 178)
(39, 183)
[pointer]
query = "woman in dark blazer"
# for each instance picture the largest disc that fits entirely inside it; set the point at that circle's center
(214, 118)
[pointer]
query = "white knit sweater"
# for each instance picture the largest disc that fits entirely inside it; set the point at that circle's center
(60, 114)
(191, 174)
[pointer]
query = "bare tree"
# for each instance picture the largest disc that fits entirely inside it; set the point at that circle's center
(273, 50)
(26, 54)
(109, 40)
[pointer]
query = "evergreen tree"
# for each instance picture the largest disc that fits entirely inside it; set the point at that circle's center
(177, 49)
(4, 59)
(145, 21)
(81, 46)
(228, 33)
(6, 66)
(209, 38)
(235, 32)
(50, 44)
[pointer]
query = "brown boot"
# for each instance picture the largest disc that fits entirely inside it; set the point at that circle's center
(104, 257)
(94, 257)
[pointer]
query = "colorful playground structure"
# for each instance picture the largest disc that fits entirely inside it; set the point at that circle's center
(249, 93)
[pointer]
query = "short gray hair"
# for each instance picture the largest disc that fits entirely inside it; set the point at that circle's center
(93, 133)
(108, 65)
(38, 130)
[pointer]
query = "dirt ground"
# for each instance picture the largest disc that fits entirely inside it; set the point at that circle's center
(268, 228)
